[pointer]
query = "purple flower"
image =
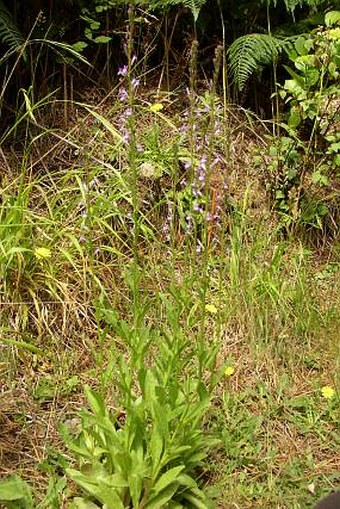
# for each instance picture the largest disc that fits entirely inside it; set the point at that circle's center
(135, 82)
(122, 94)
(216, 160)
(123, 71)
(203, 161)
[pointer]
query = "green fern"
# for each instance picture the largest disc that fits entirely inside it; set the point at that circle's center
(291, 5)
(249, 53)
(195, 6)
(10, 35)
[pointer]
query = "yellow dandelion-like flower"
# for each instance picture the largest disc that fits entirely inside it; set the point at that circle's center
(211, 308)
(229, 370)
(42, 253)
(327, 392)
(156, 107)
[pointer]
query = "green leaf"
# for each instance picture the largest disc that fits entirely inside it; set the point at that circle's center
(319, 178)
(162, 498)
(198, 499)
(79, 46)
(279, 195)
(95, 401)
(294, 117)
(105, 123)
(102, 39)
(97, 488)
(15, 489)
(22, 344)
(300, 46)
(156, 448)
(82, 503)
(332, 18)
(166, 479)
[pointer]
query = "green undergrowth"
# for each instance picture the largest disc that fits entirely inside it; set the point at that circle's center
(204, 337)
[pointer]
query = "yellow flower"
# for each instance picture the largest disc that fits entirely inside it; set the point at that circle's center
(42, 252)
(211, 308)
(156, 107)
(229, 370)
(327, 392)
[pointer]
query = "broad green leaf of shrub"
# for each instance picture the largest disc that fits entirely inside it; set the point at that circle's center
(102, 39)
(332, 18)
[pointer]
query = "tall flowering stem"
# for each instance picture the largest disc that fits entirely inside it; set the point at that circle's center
(127, 95)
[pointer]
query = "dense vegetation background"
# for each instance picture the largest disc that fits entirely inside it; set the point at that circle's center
(169, 253)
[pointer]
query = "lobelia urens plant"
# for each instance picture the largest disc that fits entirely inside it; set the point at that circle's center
(148, 451)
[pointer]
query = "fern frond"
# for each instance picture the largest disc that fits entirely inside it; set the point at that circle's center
(9, 32)
(195, 7)
(250, 53)
(291, 5)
